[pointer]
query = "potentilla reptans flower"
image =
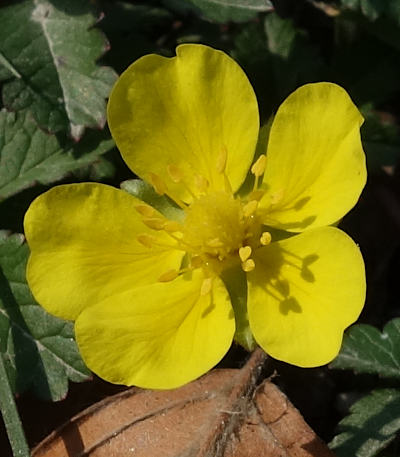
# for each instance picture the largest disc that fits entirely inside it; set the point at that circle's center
(158, 296)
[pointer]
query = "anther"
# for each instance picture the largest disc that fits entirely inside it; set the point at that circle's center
(169, 275)
(155, 223)
(250, 208)
(159, 185)
(146, 240)
(244, 253)
(227, 184)
(145, 210)
(257, 194)
(206, 286)
(172, 226)
(175, 173)
(201, 183)
(221, 160)
(258, 167)
(248, 265)
(161, 189)
(276, 197)
(265, 238)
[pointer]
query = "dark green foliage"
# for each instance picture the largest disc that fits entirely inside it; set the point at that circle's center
(232, 10)
(278, 58)
(373, 9)
(39, 349)
(371, 426)
(375, 419)
(367, 350)
(28, 155)
(48, 53)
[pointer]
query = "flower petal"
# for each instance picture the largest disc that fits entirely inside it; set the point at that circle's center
(303, 293)
(158, 336)
(315, 168)
(84, 248)
(185, 112)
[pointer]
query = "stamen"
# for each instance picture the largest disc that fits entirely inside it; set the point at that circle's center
(265, 238)
(258, 167)
(146, 239)
(175, 173)
(161, 189)
(155, 223)
(206, 286)
(249, 265)
(250, 208)
(145, 210)
(276, 197)
(180, 244)
(150, 241)
(244, 253)
(221, 160)
(172, 226)
(201, 183)
(169, 275)
(159, 185)
(228, 187)
(257, 194)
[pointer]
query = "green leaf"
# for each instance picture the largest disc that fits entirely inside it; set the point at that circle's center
(373, 9)
(39, 349)
(381, 140)
(236, 284)
(366, 350)
(29, 155)
(232, 10)
(180, 6)
(48, 53)
(278, 57)
(371, 426)
(351, 66)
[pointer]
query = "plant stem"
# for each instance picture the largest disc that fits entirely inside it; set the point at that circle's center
(10, 415)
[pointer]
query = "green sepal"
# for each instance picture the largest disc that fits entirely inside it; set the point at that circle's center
(236, 283)
(145, 192)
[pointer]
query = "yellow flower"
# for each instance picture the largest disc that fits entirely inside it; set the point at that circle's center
(157, 300)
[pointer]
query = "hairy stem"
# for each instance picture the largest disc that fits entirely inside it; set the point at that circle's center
(10, 415)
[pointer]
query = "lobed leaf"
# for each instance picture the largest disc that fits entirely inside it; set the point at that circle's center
(48, 53)
(39, 350)
(371, 426)
(366, 350)
(29, 155)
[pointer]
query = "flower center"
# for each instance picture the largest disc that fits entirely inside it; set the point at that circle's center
(218, 230)
(216, 226)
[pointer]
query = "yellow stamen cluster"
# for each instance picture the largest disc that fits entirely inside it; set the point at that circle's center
(218, 229)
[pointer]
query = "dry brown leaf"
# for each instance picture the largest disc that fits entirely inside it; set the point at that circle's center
(222, 414)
